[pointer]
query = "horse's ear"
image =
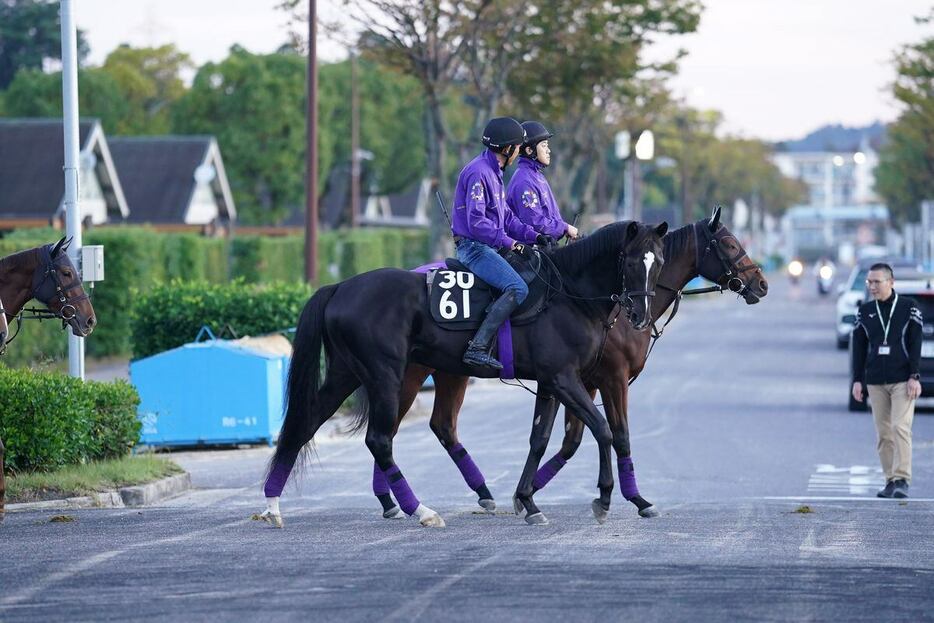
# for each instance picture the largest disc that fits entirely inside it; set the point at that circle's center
(662, 229)
(714, 223)
(632, 231)
(58, 247)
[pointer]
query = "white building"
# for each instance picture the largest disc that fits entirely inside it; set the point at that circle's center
(833, 178)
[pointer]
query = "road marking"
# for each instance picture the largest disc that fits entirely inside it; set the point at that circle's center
(853, 479)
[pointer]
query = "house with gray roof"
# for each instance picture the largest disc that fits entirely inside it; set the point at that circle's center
(32, 185)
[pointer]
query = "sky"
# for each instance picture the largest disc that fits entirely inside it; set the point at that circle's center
(776, 69)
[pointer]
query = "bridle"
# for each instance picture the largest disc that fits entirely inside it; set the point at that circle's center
(47, 284)
(731, 268)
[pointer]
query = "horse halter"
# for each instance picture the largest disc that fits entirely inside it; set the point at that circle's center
(730, 265)
(49, 284)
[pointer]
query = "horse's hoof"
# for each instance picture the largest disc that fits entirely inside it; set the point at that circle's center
(488, 505)
(648, 511)
(432, 521)
(518, 507)
(599, 513)
(273, 519)
(394, 513)
(537, 519)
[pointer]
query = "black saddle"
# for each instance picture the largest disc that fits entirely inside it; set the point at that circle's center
(451, 295)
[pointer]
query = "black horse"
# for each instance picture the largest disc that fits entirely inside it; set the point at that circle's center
(706, 248)
(374, 324)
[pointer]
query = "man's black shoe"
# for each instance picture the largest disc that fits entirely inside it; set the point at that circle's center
(901, 489)
(889, 490)
(479, 357)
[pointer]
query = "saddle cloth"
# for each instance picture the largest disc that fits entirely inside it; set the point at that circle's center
(459, 299)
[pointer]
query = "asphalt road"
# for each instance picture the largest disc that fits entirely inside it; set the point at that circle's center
(738, 421)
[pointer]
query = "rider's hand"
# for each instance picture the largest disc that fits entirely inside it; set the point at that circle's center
(914, 389)
(518, 247)
(858, 391)
(544, 240)
(572, 232)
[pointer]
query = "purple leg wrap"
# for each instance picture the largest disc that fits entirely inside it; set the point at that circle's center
(627, 477)
(548, 471)
(380, 483)
(401, 489)
(469, 469)
(275, 483)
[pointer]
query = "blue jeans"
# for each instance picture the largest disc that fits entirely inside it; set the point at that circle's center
(487, 264)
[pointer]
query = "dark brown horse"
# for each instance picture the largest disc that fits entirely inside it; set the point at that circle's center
(46, 274)
(705, 248)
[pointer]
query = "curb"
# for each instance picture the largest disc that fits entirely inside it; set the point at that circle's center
(137, 495)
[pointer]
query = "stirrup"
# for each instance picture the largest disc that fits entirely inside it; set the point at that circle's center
(477, 357)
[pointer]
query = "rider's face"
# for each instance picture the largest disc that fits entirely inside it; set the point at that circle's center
(543, 153)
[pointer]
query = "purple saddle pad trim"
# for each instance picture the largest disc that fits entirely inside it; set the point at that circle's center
(425, 268)
(504, 341)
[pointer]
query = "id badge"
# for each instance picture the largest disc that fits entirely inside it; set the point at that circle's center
(885, 349)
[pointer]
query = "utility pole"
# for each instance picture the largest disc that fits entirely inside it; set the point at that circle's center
(70, 124)
(354, 143)
(311, 148)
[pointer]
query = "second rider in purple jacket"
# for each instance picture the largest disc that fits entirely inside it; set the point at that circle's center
(529, 194)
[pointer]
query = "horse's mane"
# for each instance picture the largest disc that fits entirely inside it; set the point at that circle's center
(607, 239)
(18, 260)
(677, 241)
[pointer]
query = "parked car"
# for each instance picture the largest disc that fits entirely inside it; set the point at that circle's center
(852, 293)
(922, 291)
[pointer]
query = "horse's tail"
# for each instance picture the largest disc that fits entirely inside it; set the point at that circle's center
(304, 376)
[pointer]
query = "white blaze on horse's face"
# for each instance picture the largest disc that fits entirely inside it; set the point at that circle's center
(648, 260)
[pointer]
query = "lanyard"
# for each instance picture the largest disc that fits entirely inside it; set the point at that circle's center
(886, 325)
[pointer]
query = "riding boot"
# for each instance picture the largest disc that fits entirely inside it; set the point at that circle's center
(478, 349)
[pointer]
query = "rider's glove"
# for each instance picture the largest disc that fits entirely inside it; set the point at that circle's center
(544, 240)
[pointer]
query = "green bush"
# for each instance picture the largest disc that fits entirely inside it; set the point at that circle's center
(48, 419)
(184, 307)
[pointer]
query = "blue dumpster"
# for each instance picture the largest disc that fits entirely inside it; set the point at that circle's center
(211, 392)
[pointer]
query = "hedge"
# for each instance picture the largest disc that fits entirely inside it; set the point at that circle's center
(185, 306)
(48, 419)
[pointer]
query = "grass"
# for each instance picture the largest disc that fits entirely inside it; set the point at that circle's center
(76, 480)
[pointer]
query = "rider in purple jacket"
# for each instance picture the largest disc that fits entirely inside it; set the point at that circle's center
(483, 226)
(529, 194)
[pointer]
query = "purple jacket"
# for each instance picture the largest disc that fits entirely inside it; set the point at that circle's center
(530, 197)
(480, 210)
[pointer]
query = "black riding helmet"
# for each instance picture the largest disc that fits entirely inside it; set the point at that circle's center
(535, 133)
(501, 132)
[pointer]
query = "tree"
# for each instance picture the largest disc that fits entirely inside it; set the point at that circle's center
(254, 105)
(30, 34)
(150, 80)
(36, 94)
(905, 175)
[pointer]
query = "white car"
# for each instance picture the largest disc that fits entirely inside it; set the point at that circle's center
(853, 291)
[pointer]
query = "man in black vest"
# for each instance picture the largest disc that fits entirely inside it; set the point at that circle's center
(886, 360)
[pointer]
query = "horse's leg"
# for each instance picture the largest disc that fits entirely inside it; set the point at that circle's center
(573, 434)
(2, 481)
(575, 396)
(384, 403)
(616, 407)
(545, 410)
(449, 398)
(338, 386)
(412, 382)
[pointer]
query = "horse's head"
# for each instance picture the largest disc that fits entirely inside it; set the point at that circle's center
(56, 283)
(723, 260)
(640, 262)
